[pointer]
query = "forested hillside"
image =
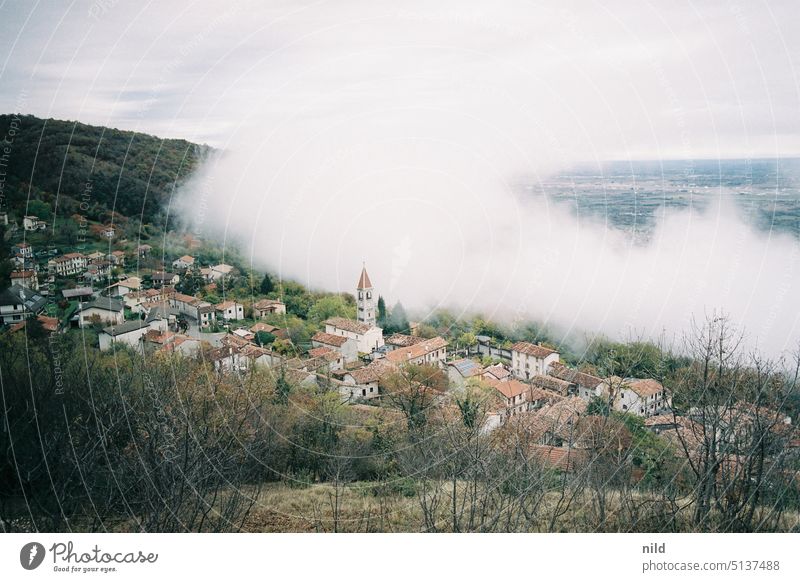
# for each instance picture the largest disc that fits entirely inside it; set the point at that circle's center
(61, 164)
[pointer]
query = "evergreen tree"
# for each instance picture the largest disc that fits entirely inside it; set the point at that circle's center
(267, 286)
(191, 282)
(381, 311)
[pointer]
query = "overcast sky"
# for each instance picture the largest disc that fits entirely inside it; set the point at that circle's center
(592, 80)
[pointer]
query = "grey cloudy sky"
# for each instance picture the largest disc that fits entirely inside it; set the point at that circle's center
(589, 79)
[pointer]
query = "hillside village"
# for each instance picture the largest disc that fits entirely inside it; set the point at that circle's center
(178, 305)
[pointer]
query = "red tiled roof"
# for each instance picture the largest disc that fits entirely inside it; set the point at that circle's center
(348, 325)
(511, 388)
(329, 339)
(403, 340)
(401, 355)
(551, 383)
(645, 388)
(261, 326)
(373, 372)
(498, 371)
(532, 350)
(266, 303)
(580, 378)
(363, 280)
(324, 353)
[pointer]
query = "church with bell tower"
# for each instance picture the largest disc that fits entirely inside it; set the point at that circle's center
(365, 299)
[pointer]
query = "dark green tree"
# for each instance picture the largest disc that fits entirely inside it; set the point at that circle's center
(267, 286)
(191, 282)
(381, 311)
(264, 338)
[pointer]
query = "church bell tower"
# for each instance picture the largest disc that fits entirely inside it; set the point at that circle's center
(365, 299)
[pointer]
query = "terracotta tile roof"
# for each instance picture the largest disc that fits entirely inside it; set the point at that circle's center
(329, 339)
(539, 394)
(233, 340)
(261, 326)
(222, 268)
(48, 323)
(348, 325)
(498, 371)
(511, 388)
(372, 372)
(69, 257)
(266, 303)
(244, 333)
(644, 388)
(158, 337)
(222, 353)
(581, 379)
(565, 410)
(324, 353)
(551, 383)
(403, 340)
(253, 352)
(225, 305)
(401, 355)
(183, 298)
(363, 280)
(21, 274)
(530, 349)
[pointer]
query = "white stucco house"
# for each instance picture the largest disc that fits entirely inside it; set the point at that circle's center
(128, 333)
(430, 351)
(642, 397)
(68, 265)
(103, 309)
(266, 307)
(528, 360)
(229, 311)
(367, 337)
(363, 383)
(346, 346)
(183, 263)
(33, 223)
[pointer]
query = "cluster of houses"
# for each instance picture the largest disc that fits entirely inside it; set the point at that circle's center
(100, 302)
(528, 385)
(96, 268)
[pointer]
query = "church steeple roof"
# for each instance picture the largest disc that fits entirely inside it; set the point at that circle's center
(363, 281)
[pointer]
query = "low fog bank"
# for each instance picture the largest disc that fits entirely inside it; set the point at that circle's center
(443, 227)
(396, 137)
